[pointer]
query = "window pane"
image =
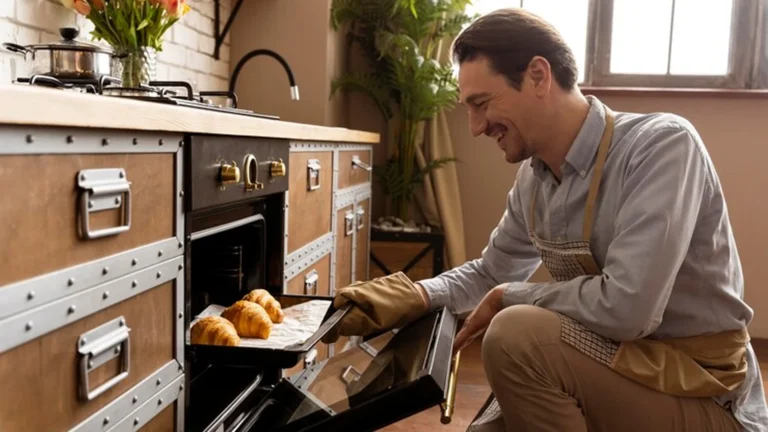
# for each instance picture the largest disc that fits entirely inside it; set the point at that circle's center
(570, 18)
(701, 37)
(640, 39)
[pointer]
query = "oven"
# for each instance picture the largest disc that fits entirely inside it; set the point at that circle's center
(235, 203)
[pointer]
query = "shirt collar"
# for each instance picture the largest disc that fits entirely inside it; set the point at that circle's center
(582, 152)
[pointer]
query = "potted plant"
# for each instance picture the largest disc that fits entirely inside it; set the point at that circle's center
(134, 29)
(400, 40)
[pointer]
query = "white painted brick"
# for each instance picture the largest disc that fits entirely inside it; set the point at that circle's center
(10, 32)
(6, 75)
(7, 8)
(224, 53)
(184, 35)
(199, 22)
(206, 44)
(198, 62)
(44, 14)
(220, 69)
(173, 54)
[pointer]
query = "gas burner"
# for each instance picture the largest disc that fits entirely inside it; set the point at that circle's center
(155, 91)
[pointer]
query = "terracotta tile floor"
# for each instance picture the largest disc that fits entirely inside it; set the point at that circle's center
(473, 390)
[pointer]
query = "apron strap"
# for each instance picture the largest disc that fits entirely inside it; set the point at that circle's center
(602, 155)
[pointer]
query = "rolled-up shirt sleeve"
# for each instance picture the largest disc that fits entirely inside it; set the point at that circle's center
(666, 183)
(509, 256)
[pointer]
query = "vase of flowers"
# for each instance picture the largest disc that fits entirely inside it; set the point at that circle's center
(134, 29)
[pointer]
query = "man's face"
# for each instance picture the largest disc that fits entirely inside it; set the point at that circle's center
(498, 110)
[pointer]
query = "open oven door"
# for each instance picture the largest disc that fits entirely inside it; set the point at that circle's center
(385, 379)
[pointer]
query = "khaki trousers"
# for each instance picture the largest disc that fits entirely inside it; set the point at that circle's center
(545, 385)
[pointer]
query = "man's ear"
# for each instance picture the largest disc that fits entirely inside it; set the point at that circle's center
(540, 73)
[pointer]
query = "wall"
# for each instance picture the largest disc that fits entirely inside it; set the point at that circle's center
(300, 32)
(733, 129)
(187, 50)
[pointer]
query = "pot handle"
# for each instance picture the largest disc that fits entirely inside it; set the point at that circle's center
(15, 48)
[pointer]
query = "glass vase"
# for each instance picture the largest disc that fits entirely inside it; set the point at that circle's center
(136, 67)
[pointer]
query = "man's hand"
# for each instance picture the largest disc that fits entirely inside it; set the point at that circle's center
(382, 304)
(479, 319)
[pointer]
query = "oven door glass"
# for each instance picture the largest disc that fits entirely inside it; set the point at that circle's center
(377, 383)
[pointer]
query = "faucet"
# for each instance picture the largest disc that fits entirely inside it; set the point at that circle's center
(276, 56)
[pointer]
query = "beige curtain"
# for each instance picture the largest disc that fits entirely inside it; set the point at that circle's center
(440, 200)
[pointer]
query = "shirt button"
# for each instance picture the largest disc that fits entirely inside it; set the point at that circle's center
(583, 173)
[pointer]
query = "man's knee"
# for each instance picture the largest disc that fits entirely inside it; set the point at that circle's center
(516, 330)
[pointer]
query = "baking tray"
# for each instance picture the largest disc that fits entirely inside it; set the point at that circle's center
(283, 358)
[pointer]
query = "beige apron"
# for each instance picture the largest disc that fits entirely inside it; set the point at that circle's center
(699, 366)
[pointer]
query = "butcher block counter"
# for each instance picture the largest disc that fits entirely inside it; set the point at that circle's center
(102, 199)
(26, 105)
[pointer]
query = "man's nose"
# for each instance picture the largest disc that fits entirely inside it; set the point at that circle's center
(477, 124)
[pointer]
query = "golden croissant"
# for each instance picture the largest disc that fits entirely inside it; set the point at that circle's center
(214, 330)
(265, 299)
(249, 319)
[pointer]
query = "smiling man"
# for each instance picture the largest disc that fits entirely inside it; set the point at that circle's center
(643, 326)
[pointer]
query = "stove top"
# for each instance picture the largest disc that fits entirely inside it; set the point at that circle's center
(165, 92)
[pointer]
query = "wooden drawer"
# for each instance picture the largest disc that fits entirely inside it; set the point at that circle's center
(309, 197)
(131, 321)
(45, 205)
(352, 164)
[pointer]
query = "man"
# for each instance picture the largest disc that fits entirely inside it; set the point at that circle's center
(643, 327)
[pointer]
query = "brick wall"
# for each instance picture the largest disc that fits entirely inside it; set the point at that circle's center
(187, 51)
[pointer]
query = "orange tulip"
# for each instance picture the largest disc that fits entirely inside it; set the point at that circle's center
(82, 7)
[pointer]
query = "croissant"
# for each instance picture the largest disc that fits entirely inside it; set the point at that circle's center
(249, 319)
(214, 330)
(265, 299)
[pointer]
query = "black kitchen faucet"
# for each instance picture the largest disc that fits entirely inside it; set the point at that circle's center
(276, 56)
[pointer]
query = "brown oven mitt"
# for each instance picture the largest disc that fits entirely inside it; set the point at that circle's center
(381, 304)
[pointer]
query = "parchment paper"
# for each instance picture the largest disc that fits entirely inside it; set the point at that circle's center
(301, 321)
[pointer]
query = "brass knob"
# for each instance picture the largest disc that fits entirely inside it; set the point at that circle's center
(277, 168)
(229, 174)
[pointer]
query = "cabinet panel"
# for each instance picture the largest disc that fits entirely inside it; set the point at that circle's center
(323, 270)
(345, 225)
(309, 197)
(362, 221)
(351, 173)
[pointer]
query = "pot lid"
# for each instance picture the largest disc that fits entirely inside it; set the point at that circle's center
(69, 34)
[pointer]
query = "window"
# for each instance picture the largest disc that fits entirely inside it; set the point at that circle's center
(656, 43)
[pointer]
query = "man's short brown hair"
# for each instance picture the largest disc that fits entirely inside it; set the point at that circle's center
(510, 38)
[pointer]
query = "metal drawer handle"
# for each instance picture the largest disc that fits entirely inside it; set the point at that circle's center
(313, 174)
(103, 189)
(98, 346)
(356, 162)
(360, 218)
(310, 283)
(250, 164)
(349, 223)
(350, 370)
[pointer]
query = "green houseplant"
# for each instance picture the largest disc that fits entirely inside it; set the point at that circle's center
(400, 40)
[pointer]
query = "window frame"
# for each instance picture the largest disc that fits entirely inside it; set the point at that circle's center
(748, 60)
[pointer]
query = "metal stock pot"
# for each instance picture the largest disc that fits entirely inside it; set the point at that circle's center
(66, 59)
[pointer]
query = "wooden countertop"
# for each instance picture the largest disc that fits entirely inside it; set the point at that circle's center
(26, 105)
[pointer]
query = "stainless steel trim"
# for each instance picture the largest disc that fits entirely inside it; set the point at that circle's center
(321, 243)
(25, 139)
(102, 189)
(227, 226)
(149, 409)
(44, 319)
(30, 293)
(334, 228)
(179, 327)
(285, 238)
(129, 401)
(99, 346)
(353, 265)
(216, 424)
(306, 263)
(304, 146)
(347, 196)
